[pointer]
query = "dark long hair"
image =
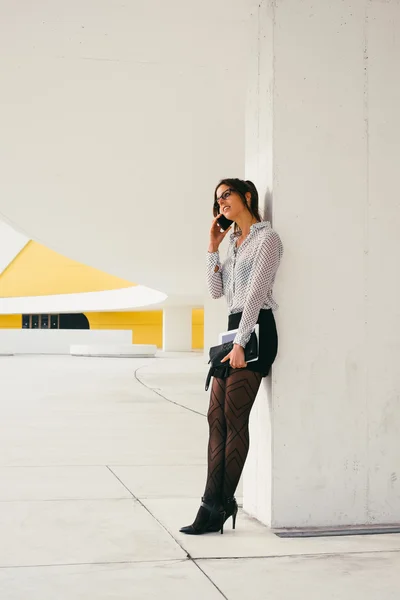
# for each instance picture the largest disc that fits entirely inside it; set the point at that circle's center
(242, 188)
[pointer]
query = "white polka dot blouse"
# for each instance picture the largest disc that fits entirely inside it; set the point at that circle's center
(247, 276)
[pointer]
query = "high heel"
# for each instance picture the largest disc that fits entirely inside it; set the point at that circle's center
(231, 510)
(210, 519)
(234, 519)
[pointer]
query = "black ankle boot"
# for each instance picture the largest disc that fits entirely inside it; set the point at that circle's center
(231, 510)
(210, 518)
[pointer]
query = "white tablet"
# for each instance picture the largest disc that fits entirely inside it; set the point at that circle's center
(229, 336)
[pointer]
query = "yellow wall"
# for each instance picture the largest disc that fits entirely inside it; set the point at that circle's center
(38, 271)
(10, 321)
(146, 326)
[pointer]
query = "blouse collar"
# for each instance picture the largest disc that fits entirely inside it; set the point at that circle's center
(253, 227)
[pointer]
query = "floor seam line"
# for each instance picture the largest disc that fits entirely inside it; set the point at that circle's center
(209, 578)
(149, 512)
(63, 500)
(83, 564)
(52, 466)
(188, 556)
(164, 397)
(307, 555)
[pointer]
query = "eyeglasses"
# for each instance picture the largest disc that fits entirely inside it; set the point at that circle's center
(225, 195)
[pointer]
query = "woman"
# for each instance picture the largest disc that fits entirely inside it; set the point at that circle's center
(246, 279)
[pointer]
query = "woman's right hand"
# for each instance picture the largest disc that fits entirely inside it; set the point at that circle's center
(216, 236)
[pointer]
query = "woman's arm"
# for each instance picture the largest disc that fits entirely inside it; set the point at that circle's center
(214, 268)
(266, 263)
(214, 275)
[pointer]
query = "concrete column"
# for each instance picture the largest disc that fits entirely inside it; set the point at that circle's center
(215, 321)
(324, 137)
(177, 329)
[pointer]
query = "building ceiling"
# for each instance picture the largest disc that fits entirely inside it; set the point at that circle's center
(117, 121)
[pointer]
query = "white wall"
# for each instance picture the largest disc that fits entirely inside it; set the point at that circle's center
(334, 142)
(56, 341)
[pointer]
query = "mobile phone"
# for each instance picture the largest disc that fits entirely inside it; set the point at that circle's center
(223, 222)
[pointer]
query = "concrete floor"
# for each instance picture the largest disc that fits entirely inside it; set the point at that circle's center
(101, 462)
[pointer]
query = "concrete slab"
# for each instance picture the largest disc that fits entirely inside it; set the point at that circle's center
(59, 483)
(145, 581)
(180, 377)
(66, 420)
(114, 350)
(343, 577)
(168, 481)
(152, 443)
(97, 415)
(85, 531)
(251, 539)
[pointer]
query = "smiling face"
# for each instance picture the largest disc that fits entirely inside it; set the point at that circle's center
(230, 202)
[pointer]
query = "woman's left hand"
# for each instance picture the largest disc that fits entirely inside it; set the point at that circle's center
(236, 357)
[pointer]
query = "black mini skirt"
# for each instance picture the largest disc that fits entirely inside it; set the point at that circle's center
(268, 340)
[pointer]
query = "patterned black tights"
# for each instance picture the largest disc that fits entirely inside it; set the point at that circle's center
(228, 417)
